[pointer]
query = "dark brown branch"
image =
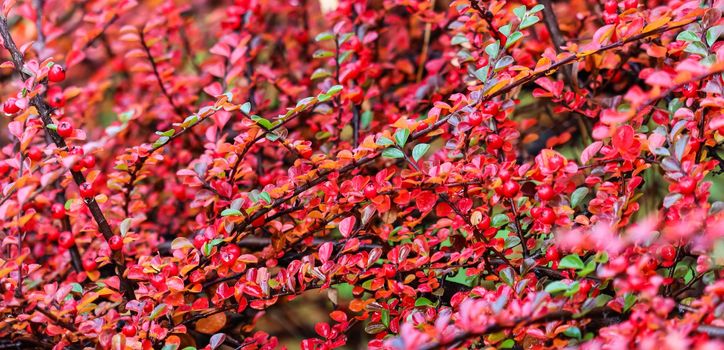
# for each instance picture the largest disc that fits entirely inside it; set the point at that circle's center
(45, 114)
(156, 73)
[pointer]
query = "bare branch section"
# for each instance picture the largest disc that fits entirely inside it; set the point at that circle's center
(44, 110)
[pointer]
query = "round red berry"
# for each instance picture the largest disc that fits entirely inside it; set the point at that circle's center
(510, 189)
(56, 73)
(57, 211)
(547, 216)
(158, 281)
(53, 235)
(504, 174)
(611, 6)
(55, 97)
(491, 107)
(546, 192)
(148, 307)
(4, 167)
(116, 243)
(199, 241)
(475, 119)
(690, 90)
(88, 161)
(66, 239)
(65, 129)
(484, 223)
(631, 4)
(370, 191)
(585, 287)
(555, 162)
(129, 330)
(86, 190)
(9, 106)
(89, 264)
(229, 254)
(35, 154)
(687, 185)
(552, 254)
(266, 179)
(494, 141)
(610, 18)
(667, 252)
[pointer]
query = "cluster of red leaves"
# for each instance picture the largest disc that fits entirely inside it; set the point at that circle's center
(476, 172)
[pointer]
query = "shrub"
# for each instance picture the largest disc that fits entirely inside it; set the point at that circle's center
(451, 174)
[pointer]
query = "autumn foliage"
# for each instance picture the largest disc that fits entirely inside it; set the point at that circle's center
(423, 174)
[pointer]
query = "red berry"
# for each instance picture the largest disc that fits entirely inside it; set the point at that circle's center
(370, 191)
(35, 154)
(631, 4)
(170, 270)
(89, 264)
(179, 191)
(552, 254)
(611, 6)
(555, 162)
(535, 212)
(546, 192)
(88, 162)
(76, 151)
(660, 117)
(584, 287)
(199, 241)
(690, 90)
(53, 235)
(9, 106)
(475, 119)
(4, 167)
(66, 239)
(65, 129)
(116, 243)
(148, 307)
(510, 189)
(56, 73)
(158, 281)
(547, 216)
(484, 223)
(491, 107)
(687, 185)
(57, 211)
(55, 97)
(504, 174)
(266, 179)
(668, 252)
(610, 18)
(129, 330)
(494, 141)
(86, 190)
(229, 254)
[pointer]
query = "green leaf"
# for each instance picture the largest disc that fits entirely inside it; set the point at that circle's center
(323, 97)
(261, 121)
(393, 153)
(572, 289)
(573, 332)
(401, 136)
(529, 21)
(500, 220)
(556, 287)
(482, 74)
(697, 48)
(160, 142)
(687, 36)
(190, 120)
(503, 62)
(125, 226)
(493, 49)
(266, 197)
(158, 311)
(536, 8)
(383, 141)
(507, 344)
(320, 73)
(713, 34)
(519, 12)
(334, 90)
(167, 133)
(51, 126)
(422, 301)
(366, 119)
(513, 38)
(385, 318)
(323, 54)
(420, 151)
(590, 267)
(324, 36)
(578, 195)
(246, 108)
(231, 212)
(459, 39)
(343, 56)
(505, 30)
(629, 299)
(572, 261)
